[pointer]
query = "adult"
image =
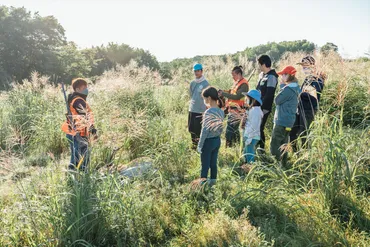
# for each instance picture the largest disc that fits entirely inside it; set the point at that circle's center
(286, 106)
(267, 84)
(79, 126)
(235, 104)
(309, 99)
(196, 106)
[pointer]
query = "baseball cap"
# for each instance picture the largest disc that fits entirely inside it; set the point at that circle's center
(307, 60)
(288, 70)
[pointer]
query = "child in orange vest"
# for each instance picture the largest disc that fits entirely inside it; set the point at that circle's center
(79, 126)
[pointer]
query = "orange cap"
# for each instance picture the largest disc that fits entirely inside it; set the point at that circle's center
(288, 70)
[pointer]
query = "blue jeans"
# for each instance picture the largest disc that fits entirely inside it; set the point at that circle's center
(79, 150)
(209, 157)
(250, 151)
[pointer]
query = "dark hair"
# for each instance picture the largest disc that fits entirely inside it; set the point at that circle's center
(78, 82)
(264, 60)
(238, 70)
(292, 78)
(213, 93)
(255, 103)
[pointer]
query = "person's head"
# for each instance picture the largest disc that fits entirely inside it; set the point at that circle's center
(79, 85)
(237, 73)
(288, 74)
(253, 98)
(210, 94)
(308, 65)
(198, 70)
(264, 63)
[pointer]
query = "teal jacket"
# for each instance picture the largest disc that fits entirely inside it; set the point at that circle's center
(286, 105)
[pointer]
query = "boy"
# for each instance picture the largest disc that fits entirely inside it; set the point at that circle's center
(79, 126)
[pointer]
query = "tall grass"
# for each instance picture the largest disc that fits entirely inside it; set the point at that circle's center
(321, 199)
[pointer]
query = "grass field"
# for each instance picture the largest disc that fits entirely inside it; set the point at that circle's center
(321, 200)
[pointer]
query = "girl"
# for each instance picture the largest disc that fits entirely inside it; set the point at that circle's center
(210, 141)
(252, 133)
(286, 107)
(197, 106)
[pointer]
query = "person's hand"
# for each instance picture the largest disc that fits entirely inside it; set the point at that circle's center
(199, 150)
(265, 111)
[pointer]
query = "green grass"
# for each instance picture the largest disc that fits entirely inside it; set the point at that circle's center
(322, 199)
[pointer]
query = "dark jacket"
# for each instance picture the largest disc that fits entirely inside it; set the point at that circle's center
(79, 105)
(308, 104)
(267, 86)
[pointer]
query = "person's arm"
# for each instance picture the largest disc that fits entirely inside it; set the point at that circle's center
(80, 106)
(239, 94)
(268, 98)
(205, 130)
(191, 89)
(282, 96)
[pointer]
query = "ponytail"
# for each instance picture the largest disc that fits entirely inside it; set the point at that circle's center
(238, 70)
(220, 102)
(213, 93)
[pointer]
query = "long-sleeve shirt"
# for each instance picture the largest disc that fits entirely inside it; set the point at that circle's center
(253, 123)
(197, 103)
(212, 124)
(239, 93)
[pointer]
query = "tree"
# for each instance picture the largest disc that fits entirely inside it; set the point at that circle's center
(328, 47)
(28, 42)
(72, 63)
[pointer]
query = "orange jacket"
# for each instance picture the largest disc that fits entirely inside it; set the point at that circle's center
(82, 123)
(240, 102)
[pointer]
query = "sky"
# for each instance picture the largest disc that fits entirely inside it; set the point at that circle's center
(177, 28)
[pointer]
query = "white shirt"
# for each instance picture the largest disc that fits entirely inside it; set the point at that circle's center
(253, 124)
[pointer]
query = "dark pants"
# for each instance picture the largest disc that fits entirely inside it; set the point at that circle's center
(79, 150)
(262, 142)
(195, 127)
(232, 130)
(209, 157)
(280, 137)
(300, 129)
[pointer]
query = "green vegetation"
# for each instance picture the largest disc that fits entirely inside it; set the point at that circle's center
(321, 200)
(30, 42)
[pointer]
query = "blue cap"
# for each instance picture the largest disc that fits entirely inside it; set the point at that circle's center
(254, 94)
(197, 66)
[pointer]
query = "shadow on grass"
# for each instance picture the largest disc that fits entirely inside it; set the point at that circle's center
(349, 213)
(275, 224)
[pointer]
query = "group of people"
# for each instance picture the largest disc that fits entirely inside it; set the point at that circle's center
(248, 111)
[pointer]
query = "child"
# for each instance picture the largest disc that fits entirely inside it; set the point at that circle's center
(286, 107)
(252, 133)
(197, 106)
(82, 126)
(210, 141)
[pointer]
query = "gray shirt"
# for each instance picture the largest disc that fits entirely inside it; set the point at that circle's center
(197, 103)
(212, 124)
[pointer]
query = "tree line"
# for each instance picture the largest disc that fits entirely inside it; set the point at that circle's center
(31, 42)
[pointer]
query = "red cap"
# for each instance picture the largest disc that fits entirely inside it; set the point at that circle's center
(288, 70)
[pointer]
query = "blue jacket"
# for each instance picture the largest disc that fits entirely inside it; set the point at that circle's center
(286, 105)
